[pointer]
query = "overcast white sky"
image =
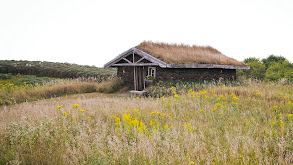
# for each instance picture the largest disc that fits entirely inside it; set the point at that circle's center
(92, 32)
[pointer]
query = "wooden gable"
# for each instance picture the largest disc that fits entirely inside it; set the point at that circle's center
(135, 57)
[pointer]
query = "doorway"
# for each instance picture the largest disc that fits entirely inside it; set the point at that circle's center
(138, 78)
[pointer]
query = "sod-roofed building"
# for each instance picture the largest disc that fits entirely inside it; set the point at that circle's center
(151, 61)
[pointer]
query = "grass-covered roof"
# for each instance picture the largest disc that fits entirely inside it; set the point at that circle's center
(185, 54)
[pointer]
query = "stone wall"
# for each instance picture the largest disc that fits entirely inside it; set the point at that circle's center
(191, 74)
(126, 73)
(194, 74)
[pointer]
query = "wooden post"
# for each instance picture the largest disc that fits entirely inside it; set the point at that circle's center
(134, 72)
(143, 77)
(134, 76)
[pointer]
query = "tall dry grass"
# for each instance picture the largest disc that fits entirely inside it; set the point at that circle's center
(185, 54)
(250, 124)
(11, 94)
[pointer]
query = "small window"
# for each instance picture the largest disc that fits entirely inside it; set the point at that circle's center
(152, 72)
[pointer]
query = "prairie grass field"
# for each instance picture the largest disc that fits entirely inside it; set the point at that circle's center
(248, 123)
(21, 88)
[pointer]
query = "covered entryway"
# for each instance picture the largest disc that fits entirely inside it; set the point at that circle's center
(133, 66)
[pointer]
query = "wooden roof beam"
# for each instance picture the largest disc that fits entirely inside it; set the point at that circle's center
(125, 59)
(139, 60)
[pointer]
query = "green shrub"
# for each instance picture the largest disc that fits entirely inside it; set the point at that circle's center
(257, 70)
(5, 76)
(277, 71)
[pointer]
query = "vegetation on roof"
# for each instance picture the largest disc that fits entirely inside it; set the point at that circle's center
(185, 54)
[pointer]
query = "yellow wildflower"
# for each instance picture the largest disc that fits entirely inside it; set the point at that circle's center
(223, 106)
(203, 92)
(202, 110)
(82, 110)
(172, 87)
(218, 104)
(190, 163)
(127, 117)
(162, 97)
(141, 123)
(163, 114)
(280, 116)
(272, 123)
(165, 127)
(59, 107)
(153, 113)
(176, 96)
(89, 118)
(290, 115)
(233, 103)
(117, 121)
(155, 131)
(220, 97)
(64, 113)
(137, 97)
(135, 110)
(253, 119)
(75, 105)
(140, 129)
(214, 109)
(135, 122)
(275, 107)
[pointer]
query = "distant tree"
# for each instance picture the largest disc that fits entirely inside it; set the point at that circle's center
(279, 70)
(257, 70)
(251, 59)
(289, 75)
(273, 59)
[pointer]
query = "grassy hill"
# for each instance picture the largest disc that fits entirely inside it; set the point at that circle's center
(54, 69)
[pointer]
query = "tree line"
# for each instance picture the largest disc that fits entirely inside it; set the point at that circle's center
(54, 69)
(272, 68)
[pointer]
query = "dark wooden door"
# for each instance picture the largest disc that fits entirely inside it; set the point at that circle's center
(139, 78)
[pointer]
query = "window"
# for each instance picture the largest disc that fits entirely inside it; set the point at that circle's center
(152, 71)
